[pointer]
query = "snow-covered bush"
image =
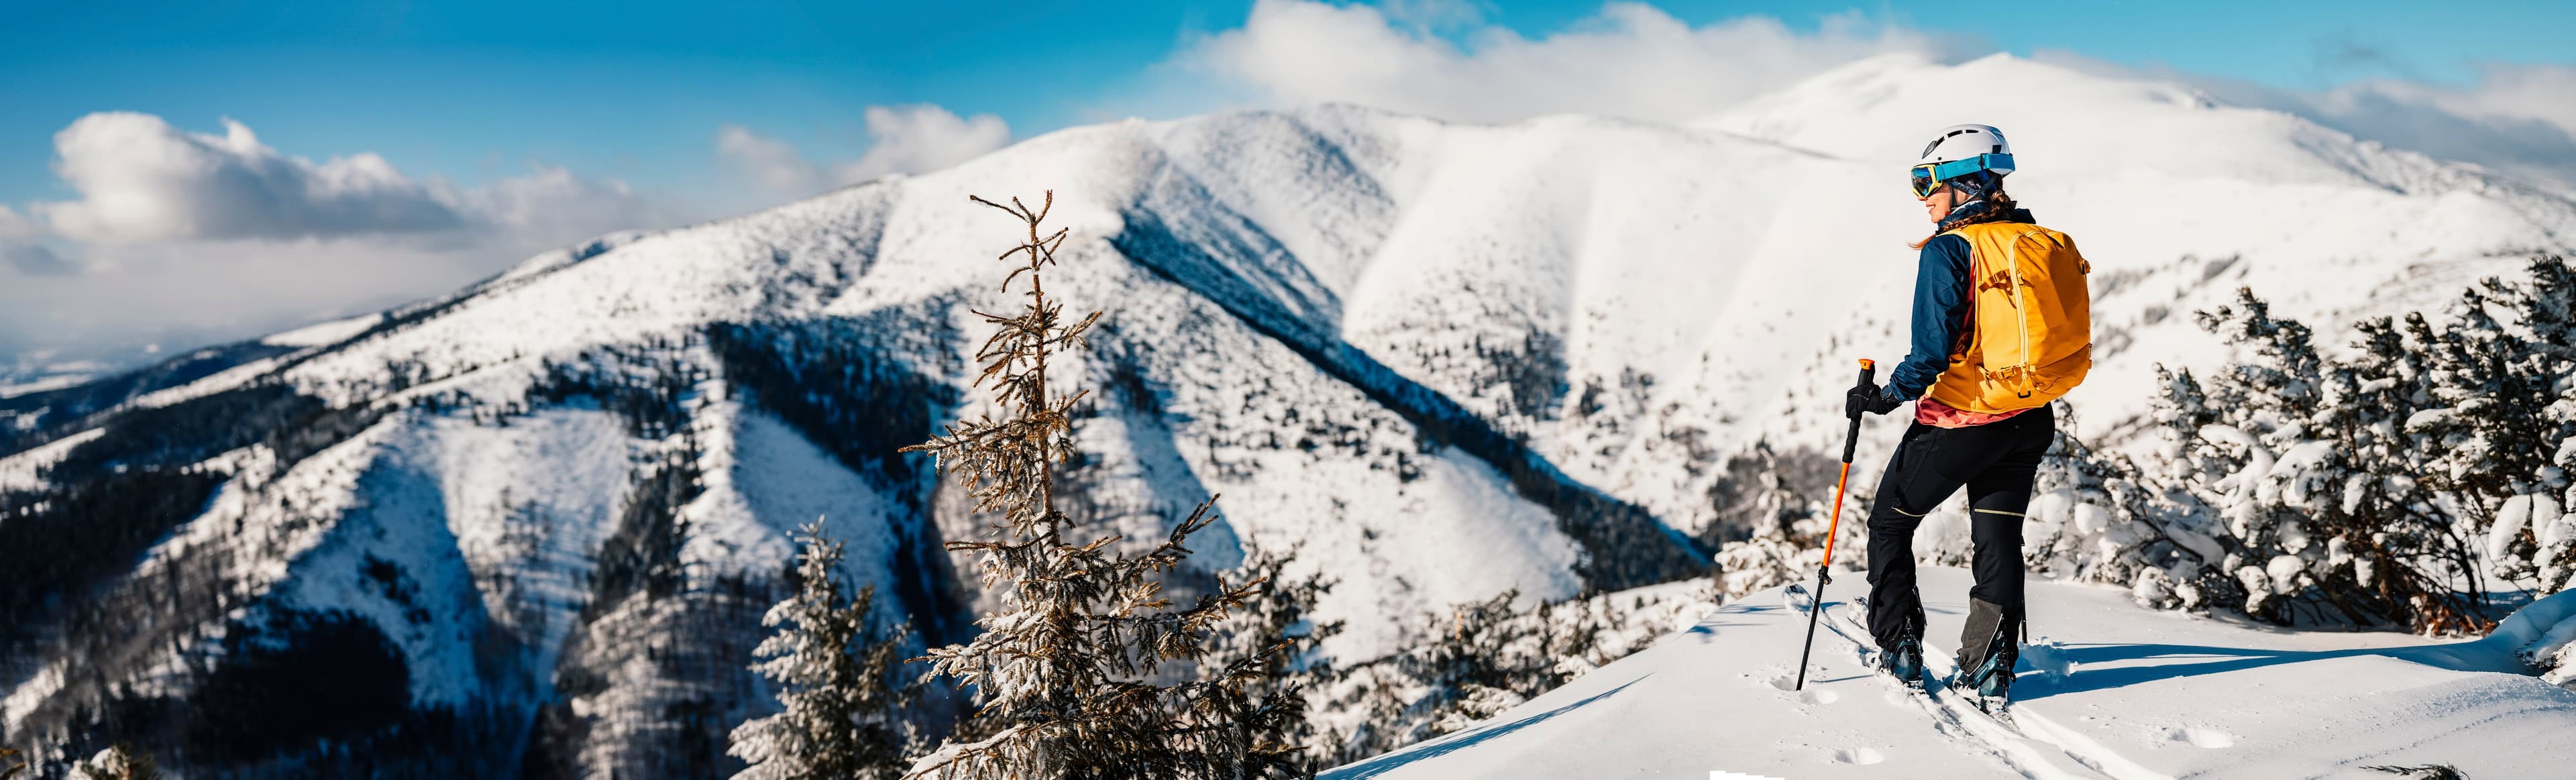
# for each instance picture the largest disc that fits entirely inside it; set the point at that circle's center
(116, 763)
(2396, 484)
(2093, 518)
(2498, 414)
(1774, 556)
(1480, 658)
(2323, 486)
(2305, 471)
(1776, 497)
(1275, 643)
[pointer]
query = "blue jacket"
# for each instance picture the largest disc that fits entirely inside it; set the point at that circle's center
(1940, 311)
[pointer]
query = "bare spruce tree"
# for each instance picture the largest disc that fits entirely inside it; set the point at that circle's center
(1070, 674)
(843, 713)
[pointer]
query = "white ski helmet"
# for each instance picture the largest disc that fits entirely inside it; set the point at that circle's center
(1962, 149)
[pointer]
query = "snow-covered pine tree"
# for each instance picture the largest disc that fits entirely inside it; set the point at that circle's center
(1069, 672)
(843, 717)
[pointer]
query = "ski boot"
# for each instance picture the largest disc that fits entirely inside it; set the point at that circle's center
(1904, 662)
(1992, 684)
(1987, 653)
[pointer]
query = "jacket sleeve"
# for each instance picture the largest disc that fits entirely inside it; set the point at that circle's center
(1940, 312)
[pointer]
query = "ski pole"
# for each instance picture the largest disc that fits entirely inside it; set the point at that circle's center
(1816, 604)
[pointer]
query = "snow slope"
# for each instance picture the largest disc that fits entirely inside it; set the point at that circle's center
(2107, 690)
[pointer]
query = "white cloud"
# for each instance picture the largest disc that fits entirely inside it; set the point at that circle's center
(193, 238)
(2517, 119)
(906, 139)
(551, 205)
(2541, 92)
(774, 162)
(916, 139)
(19, 248)
(1631, 60)
(141, 179)
(185, 293)
(1441, 58)
(14, 226)
(36, 259)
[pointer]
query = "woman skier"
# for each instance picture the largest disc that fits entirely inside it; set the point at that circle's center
(2000, 328)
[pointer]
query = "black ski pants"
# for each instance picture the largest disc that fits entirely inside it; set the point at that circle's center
(1996, 462)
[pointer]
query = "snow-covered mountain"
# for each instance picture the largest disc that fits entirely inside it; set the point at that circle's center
(530, 527)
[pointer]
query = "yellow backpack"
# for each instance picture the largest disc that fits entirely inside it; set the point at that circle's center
(2032, 336)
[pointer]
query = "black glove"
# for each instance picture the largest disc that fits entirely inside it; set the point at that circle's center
(1872, 399)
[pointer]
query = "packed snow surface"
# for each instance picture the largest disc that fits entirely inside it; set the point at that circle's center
(2105, 690)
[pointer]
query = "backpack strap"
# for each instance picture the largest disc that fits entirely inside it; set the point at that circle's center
(2021, 309)
(1975, 277)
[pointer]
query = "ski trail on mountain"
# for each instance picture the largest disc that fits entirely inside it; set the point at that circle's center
(2030, 755)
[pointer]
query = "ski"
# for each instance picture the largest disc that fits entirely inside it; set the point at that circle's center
(1985, 725)
(1991, 705)
(1935, 689)
(1799, 600)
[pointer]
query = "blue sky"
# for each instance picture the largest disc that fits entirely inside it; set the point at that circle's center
(636, 90)
(485, 131)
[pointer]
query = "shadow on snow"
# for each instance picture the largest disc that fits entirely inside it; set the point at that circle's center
(1462, 740)
(2168, 661)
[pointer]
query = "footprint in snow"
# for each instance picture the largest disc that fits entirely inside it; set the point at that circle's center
(2201, 737)
(1859, 755)
(1787, 682)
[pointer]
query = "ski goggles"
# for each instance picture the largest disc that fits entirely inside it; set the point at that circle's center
(1927, 177)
